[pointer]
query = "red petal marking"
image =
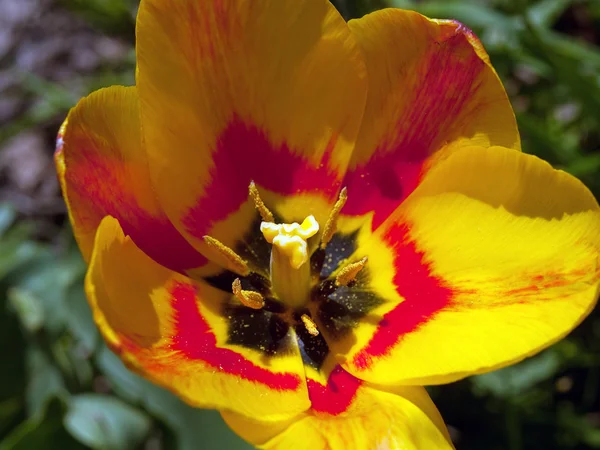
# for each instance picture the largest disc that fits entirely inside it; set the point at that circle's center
(337, 396)
(96, 188)
(447, 81)
(243, 154)
(206, 20)
(195, 340)
(424, 295)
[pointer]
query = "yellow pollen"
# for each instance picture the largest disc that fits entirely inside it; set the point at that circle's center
(331, 224)
(250, 299)
(264, 212)
(226, 256)
(310, 325)
(348, 273)
(290, 238)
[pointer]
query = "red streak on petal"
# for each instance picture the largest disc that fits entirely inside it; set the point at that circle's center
(524, 291)
(128, 344)
(424, 296)
(214, 27)
(447, 82)
(196, 341)
(243, 154)
(539, 289)
(337, 395)
(97, 186)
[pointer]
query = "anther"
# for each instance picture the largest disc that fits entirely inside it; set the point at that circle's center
(331, 224)
(250, 299)
(310, 325)
(265, 214)
(348, 274)
(228, 257)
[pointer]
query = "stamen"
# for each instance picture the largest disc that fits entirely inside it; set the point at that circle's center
(310, 325)
(265, 214)
(331, 224)
(228, 257)
(348, 274)
(250, 299)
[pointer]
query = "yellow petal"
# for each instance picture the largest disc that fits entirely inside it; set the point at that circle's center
(174, 332)
(496, 256)
(430, 84)
(269, 91)
(103, 170)
(404, 418)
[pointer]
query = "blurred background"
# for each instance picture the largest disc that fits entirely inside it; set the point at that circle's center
(60, 388)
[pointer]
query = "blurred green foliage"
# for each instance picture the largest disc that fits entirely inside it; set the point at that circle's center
(60, 387)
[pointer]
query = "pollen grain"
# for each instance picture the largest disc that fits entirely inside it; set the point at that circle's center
(231, 259)
(331, 224)
(310, 325)
(250, 299)
(265, 213)
(348, 274)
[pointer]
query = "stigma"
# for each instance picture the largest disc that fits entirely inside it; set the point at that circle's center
(290, 273)
(291, 238)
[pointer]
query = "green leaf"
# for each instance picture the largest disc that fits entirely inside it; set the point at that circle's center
(544, 13)
(73, 360)
(12, 375)
(42, 433)
(9, 410)
(48, 279)
(79, 316)
(115, 16)
(582, 53)
(45, 382)
(575, 67)
(103, 422)
(28, 308)
(585, 165)
(16, 251)
(514, 380)
(7, 217)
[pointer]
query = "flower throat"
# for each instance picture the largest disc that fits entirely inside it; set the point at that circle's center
(289, 269)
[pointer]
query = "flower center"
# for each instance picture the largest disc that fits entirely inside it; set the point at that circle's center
(294, 270)
(290, 273)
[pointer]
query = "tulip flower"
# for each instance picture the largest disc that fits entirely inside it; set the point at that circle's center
(300, 222)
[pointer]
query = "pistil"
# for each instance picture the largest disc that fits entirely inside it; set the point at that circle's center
(290, 273)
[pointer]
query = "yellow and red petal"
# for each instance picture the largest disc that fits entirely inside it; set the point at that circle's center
(103, 171)
(495, 256)
(270, 91)
(172, 330)
(348, 414)
(431, 84)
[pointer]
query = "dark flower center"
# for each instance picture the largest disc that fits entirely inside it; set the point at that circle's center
(318, 293)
